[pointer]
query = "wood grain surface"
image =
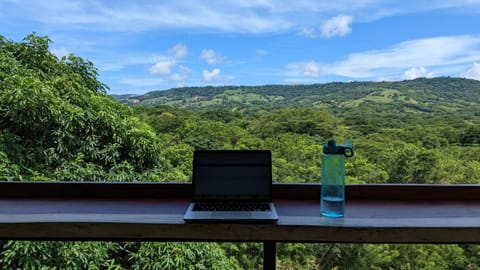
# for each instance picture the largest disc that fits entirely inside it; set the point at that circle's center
(375, 221)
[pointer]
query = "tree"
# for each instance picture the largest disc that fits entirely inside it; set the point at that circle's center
(182, 256)
(55, 255)
(297, 120)
(56, 112)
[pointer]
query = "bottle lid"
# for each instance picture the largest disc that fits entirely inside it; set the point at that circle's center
(332, 148)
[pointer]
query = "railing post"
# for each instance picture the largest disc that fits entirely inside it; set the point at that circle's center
(269, 255)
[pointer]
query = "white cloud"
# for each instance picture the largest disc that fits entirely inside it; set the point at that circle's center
(417, 72)
(161, 64)
(210, 76)
(162, 67)
(473, 72)
(184, 69)
(211, 57)
(337, 26)
(60, 52)
(134, 16)
(181, 75)
(309, 32)
(179, 50)
(432, 52)
(229, 16)
(310, 69)
(116, 61)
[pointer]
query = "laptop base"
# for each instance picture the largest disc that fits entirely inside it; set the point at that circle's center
(231, 216)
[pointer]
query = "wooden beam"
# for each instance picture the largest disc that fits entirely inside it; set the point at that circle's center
(280, 191)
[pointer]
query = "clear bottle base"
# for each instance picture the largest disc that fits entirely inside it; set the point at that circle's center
(332, 214)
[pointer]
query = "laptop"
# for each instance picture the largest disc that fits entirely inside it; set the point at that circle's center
(232, 185)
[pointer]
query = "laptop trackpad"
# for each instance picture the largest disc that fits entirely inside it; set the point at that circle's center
(235, 215)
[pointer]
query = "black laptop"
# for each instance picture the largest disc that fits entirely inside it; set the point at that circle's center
(232, 185)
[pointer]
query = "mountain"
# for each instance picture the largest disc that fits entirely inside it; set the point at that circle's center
(422, 95)
(124, 97)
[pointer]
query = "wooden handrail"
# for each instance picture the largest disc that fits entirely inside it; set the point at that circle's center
(280, 190)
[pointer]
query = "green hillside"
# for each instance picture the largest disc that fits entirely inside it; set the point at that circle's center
(443, 94)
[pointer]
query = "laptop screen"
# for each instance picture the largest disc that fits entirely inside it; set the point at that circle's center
(230, 175)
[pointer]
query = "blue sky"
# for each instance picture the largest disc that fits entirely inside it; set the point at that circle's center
(141, 46)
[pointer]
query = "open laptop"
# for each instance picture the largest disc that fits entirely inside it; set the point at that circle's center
(232, 185)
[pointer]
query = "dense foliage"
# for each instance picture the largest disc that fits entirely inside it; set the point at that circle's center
(57, 123)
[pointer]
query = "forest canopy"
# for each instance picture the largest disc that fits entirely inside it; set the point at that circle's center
(57, 122)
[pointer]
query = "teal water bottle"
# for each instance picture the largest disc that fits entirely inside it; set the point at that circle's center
(332, 197)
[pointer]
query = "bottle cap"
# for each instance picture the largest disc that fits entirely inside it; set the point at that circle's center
(332, 148)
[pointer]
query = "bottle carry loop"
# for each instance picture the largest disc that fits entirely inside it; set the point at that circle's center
(332, 148)
(348, 152)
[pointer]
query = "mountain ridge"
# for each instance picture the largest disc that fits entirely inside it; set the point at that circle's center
(441, 94)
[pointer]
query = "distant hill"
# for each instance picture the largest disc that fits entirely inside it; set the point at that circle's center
(442, 94)
(124, 97)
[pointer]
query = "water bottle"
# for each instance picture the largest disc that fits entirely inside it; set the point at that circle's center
(332, 197)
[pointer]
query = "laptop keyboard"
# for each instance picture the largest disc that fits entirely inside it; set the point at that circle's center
(231, 207)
